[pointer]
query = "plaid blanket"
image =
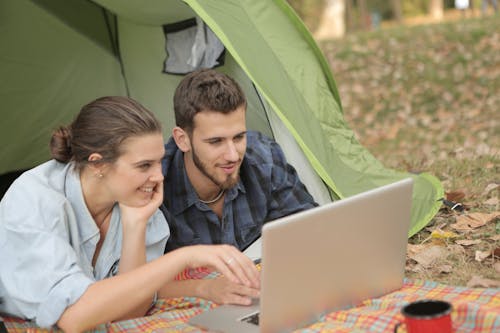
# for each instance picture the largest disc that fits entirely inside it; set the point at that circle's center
(474, 310)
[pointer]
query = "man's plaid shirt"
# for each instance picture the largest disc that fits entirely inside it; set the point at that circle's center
(268, 188)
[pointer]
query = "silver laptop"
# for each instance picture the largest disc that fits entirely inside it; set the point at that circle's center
(327, 258)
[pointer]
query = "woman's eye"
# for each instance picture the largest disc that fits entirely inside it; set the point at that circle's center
(145, 166)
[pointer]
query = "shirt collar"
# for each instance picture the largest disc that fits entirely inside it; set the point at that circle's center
(86, 225)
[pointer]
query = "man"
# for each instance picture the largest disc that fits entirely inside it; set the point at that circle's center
(222, 182)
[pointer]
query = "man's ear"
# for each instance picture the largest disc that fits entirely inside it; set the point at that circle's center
(181, 138)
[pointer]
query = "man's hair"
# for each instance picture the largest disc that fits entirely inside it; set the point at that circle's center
(205, 90)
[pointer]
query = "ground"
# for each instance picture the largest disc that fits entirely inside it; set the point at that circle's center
(426, 98)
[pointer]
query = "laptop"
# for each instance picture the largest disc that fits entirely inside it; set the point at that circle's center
(324, 259)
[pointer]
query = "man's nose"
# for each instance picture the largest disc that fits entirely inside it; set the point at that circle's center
(231, 152)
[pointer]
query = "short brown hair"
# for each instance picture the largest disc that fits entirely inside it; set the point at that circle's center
(205, 89)
(100, 127)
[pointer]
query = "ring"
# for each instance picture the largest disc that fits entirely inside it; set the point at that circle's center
(229, 261)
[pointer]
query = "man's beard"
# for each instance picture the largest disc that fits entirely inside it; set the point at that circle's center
(230, 181)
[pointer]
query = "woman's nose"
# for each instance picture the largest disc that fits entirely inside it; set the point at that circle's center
(157, 174)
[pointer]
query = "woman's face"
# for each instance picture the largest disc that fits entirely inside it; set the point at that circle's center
(132, 178)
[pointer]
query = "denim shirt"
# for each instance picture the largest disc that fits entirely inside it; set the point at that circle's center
(268, 188)
(48, 239)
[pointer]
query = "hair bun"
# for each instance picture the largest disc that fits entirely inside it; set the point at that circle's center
(60, 144)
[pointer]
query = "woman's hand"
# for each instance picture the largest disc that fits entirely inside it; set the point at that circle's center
(226, 259)
(142, 214)
(134, 222)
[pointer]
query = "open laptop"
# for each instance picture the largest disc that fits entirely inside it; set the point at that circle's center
(327, 258)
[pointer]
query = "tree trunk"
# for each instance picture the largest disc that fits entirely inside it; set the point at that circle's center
(349, 19)
(397, 10)
(332, 24)
(364, 16)
(436, 9)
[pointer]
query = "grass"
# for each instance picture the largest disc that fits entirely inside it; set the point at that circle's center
(427, 98)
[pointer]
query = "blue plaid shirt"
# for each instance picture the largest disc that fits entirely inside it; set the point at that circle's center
(268, 188)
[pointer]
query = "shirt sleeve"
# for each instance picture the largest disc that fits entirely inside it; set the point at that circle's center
(40, 271)
(288, 194)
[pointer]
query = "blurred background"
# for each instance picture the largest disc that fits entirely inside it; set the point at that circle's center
(419, 82)
(335, 18)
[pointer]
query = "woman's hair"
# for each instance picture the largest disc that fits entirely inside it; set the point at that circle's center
(203, 90)
(100, 127)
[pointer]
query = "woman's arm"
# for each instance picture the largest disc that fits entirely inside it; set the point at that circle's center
(109, 299)
(134, 222)
(219, 290)
(133, 255)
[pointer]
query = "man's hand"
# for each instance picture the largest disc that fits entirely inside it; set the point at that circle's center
(223, 291)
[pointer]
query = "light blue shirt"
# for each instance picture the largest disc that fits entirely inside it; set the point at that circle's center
(48, 239)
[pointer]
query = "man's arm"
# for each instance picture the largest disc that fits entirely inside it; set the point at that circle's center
(289, 194)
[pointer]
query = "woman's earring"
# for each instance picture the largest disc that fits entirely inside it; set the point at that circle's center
(99, 175)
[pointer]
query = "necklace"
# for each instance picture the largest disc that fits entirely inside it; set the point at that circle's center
(214, 199)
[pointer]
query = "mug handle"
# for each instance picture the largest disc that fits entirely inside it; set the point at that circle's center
(396, 327)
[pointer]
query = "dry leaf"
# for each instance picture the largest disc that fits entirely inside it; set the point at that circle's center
(481, 255)
(457, 195)
(473, 220)
(496, 266)
(393, 131)
(440, 234)
(429, 255)
(468, 242)
(414, 248)
(479, 281)
(445, 269)
(495, 237)
(490, 187)
(483, 149)
(415, 268)
(491, 201)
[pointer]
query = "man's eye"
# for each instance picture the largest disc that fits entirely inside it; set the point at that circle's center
(215, 141)
(239, 137)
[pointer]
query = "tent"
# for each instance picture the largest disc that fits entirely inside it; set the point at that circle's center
(57, 55)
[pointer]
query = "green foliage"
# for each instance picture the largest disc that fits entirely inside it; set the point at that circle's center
(414, 7)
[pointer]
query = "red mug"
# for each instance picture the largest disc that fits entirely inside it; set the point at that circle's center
(427, 316)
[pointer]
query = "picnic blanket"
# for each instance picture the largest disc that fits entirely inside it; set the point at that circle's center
(474, 310)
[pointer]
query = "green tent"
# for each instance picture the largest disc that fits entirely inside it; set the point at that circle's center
(57, 55)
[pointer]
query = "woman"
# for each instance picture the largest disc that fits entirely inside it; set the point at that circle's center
(81, 236)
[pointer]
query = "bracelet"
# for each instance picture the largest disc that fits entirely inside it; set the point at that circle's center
(155, 298)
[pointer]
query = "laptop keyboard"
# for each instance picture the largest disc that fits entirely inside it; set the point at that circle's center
(252, 319)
